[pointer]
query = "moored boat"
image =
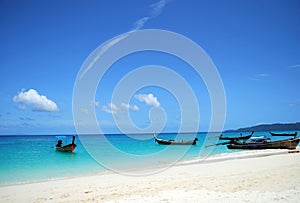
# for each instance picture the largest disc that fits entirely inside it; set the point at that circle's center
(241, 137)
(173, 142)
(266, 144)
(284, 134)
(65, 148)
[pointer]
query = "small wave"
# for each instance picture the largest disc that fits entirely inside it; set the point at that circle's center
(239, 155)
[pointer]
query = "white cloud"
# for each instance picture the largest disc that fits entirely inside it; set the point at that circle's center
(128, 106)
(114, 109)
(149, 99)
(110, 108)
(95, 103)
(39, 102)
(135, 108)
(90, 107)
(156, 9)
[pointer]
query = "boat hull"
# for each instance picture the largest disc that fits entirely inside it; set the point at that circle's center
(66, 148)
(284, 134)
(280, 144)
(246, 137)
(166, 142)
(173, 142)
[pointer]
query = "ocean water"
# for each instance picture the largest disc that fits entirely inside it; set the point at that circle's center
(27, 158)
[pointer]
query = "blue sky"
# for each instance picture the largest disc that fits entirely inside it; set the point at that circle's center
(255, 46)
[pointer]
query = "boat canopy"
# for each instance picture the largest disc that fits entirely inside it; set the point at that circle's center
(259, 138)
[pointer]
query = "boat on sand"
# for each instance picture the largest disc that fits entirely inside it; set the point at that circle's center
(266, 144)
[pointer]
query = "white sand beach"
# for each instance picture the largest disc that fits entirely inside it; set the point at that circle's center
(256, 178)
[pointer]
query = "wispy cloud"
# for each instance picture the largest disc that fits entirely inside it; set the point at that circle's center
(262, 75)
(295, 66)
(259, 76)
(156, 10)
(295, 103)
(26, 119)
(89, 108)
(114, 109)
(104, 48)
(22, 107)
(25, 124)
(140, 23)
(85, 110)
(292, 104)
(110, 108)
(128, 106)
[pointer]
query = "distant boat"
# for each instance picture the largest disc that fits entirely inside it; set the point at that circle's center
(173, 142)
(65, 148)
(284, 134)
(232, 140)
(265, 143)
(241, 137)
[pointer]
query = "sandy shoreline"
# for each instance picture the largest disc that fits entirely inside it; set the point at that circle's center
(264, 178)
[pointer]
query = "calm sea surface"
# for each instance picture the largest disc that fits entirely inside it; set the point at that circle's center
(29, 158)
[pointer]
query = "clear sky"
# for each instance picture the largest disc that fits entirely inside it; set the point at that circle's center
(254, 44)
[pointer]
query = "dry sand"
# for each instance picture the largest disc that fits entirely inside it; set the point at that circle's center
(272, 178)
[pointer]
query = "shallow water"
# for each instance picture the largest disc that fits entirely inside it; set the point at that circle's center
(31, 158)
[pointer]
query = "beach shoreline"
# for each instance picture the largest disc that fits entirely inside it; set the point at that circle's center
(258, 178)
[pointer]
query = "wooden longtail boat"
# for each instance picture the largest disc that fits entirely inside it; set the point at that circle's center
(241, 137)
(232, 140)
(266, 144)
(173, 142)
(284, 134)
(66, 148)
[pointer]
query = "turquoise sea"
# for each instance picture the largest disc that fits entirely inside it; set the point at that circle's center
(31, 158)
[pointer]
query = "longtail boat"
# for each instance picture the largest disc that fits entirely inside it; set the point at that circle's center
(266, 144)
(232, 140)
(65, 148)
(284, 134)
(173, 142)
(241, 137)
